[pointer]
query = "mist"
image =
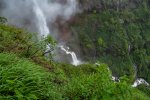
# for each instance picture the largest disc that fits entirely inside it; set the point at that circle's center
(46, 17)
(20, 13)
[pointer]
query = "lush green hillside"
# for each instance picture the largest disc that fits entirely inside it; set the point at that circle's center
(25, 74)
(116, 32)
(23, 79)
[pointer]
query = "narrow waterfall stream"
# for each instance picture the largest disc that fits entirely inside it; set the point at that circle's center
(75, 61)
(42, 24)
(139, 81)
(44, 30)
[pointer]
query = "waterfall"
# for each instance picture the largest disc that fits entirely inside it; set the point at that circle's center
(140, 81)
(137, 82)
(44, 30)
(41, 19)
(73, 55)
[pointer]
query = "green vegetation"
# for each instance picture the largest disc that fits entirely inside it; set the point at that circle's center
(20, 79)
(115, 36)
(24, 80)
(120, 38)
(26, 75)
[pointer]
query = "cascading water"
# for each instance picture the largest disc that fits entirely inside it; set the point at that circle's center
(140, 81)
(136, 83)
(44, 30)
(42, 24)
(73, 55)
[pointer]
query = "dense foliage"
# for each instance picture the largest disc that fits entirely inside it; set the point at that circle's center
(117, 35)
(24, 80)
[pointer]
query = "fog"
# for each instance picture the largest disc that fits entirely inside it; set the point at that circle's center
(21, 12)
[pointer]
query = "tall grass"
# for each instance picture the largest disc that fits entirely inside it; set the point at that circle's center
(23, 80)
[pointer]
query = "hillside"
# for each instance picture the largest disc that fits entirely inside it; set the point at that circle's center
(107, 38)
(26, 75)
(115, 34)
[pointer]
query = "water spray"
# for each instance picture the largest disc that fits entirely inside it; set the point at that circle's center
(44, 30)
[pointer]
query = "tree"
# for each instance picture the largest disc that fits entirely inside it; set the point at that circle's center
(3, 20)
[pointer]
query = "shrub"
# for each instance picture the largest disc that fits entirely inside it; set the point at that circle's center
(98, 85)
(21, 79)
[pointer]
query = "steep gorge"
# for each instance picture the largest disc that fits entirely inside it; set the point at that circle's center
(113, 32)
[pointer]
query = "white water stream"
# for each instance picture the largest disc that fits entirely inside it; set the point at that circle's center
(136, 83)
(42, 24)
(44, 30)
(75, 61)
(139, 81)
